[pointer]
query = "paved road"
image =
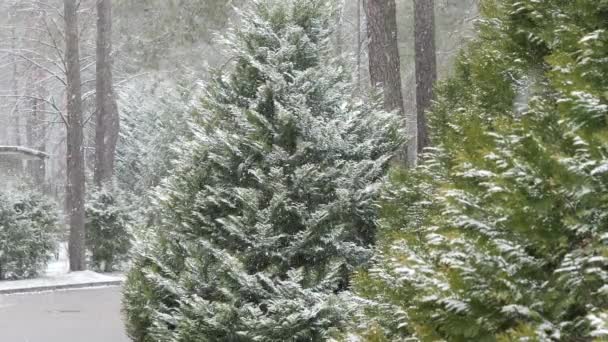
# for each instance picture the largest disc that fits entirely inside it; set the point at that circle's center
(91, 315)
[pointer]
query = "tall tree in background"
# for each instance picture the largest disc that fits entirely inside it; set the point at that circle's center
(384, 61)
(339, 27)
(359, 45)
(107, 119)
(15, 88)
(75, 186)
(36, 131)
(426, 64)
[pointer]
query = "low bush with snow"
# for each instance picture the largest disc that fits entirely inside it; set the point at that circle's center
(28, 234)
(107, 226)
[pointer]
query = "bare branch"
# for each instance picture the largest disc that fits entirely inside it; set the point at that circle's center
(23, 151)
(42, 67)
(49, 102)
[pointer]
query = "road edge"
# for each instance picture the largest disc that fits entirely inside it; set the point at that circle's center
(46, 288)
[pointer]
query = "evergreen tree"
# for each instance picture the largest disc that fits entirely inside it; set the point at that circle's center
(108, 223)
(501, 234)
(29, 230)
(272, 203)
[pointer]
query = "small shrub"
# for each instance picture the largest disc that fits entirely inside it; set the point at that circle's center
(28, 234)
(107, 226)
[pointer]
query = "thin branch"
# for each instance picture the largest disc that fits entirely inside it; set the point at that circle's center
(51, 103)
(42, 67)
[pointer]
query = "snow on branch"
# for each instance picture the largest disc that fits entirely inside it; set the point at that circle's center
(24, 151)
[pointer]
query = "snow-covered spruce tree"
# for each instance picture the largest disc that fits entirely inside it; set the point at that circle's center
(28, 234)
(272, 203)
(108, 228)
(501, 234)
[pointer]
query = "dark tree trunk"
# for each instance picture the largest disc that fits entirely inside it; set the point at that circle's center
(384, 61)
(359, 46)
(75, 187)
(426, 64)
(107, 120)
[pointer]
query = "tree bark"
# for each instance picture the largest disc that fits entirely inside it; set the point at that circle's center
(384, 61)
(339, 28)
(15, 87)
(359, 46)
(426, 65)
(107, 119)
(36, 132)
(29, 136)
(75, 187)
(40, 177)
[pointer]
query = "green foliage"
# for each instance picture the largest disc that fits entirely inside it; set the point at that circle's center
(501, 233)
(107, 226)
(28, 234)
(273, 200)
(141, 296)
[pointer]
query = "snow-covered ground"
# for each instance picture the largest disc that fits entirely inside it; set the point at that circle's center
(60, 264)
(57, 276)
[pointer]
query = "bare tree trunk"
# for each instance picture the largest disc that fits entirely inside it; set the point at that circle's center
(359, 46)
(426, 64)
(36, 132)
(42, 131)
(107, 120)
(384, 61)
(339, 28)
(29, 134)
(75, 187)
(15, 88)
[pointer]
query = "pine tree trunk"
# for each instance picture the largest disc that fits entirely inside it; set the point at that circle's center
(75, 187)
(15, 88)
(426, 64)
(36, 133)
(384, 61)
(107, 120)
(340, 27)
(29, 134)
(40, 176)
(359, 46)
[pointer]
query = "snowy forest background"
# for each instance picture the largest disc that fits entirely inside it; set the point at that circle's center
(309, 170)
(148, 38)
